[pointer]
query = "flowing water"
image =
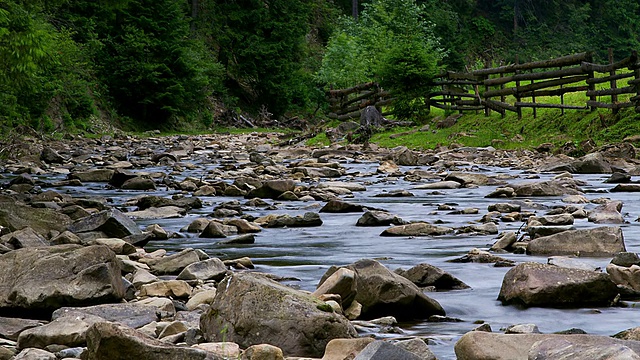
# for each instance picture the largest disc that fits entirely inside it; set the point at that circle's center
(306, 253)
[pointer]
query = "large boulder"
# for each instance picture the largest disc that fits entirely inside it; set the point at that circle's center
(602, 241)
(133, 314)
(55, 276)
(111, 222)
(383, 293)
(535, 284)
(250, 309)
(16, 216)
(481, 345)
(108, 341)
(68, 331)
(557, 348)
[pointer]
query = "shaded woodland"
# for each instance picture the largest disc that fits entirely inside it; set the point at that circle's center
(179, 64)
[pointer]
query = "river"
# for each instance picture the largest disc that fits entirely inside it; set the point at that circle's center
(306, 253)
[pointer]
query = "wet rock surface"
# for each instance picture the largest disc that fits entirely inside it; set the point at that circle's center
(123, 245)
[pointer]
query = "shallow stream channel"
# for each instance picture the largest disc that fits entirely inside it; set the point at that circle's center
(302, 255)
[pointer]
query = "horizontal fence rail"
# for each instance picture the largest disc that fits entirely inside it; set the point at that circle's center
(534, 85)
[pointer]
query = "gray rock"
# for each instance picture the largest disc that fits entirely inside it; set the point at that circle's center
(173, 264)
(16, 216)
(50, 156)
(626, 259)
(383, 293)
(246, 306)
(10, 328)
(505, 207)
(341, 282)
(378, 218)
(210, 269)
(439, 185)
(245, 239)
(309, 219)
(68, 331)
(608, 213)
(34, 354)
(64, 275)
(107, 341)
(25, 238)
(534, 284)
(132, 314)
(272, 189)
(95, 175)
(602, 241)
(553, 220)
(540, 231)
(417, 229)
(544, 188)
(139, 183)
(468, 178)
(112, 222)
(338, 206)
(382, 350)
(571, 263)
(418, 347)
(476, 345)
(626, 188)
(187, 203)
(551, 349)
(424, 275)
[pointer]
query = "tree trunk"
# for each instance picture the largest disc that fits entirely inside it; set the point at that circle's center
(354, 9)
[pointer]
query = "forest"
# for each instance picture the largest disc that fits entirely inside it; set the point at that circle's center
(179, 64)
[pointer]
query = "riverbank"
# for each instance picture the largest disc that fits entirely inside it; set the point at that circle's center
(242, 202)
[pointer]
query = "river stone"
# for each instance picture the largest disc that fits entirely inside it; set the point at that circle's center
(387, 167)
(626, 259)
(418, 347)
(384, 293)
(318, 172)
(553, 220)
(133, 314)
(505, 241)
(10, 327)
(416, 229)
(625, 276)
(505, 207)
(25, 238)
(535, 284)
(468, 178)
(571, 263)
(63, 275)
(172, 264)
(139, 183)
(213, 230)
(263, 352)
(166, 288)
(424, 275)
(338, 206)
(202, 297)
(378, 218)
(272, 189)
(543, 188)
(309, 219)
(95, 175)
(68, 331)
(210, 269)
(34, 354)
(346, 185)
(341, 349)
(153, 213)
(626, 188)
(439, 185)
(383, 350)
(480, 345)
(50, 156)
(608, 213)
(16, 216)
(112, 222)
(107, 341)
(341, 282)
(476, 255)
(187, 203)
(628, 334)
(250, 309)
(602, 241)
(551, 349)
(541, 231)
(244, 226)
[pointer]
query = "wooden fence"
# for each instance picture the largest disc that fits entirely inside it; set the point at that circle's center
(535, 85)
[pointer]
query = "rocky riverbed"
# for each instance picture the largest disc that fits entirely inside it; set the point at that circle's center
(231, 246)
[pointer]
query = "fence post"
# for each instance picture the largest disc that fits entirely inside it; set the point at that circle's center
(613, 83)
(518, 99)
(487, 110)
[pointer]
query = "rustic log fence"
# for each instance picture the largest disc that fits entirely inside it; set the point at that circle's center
(535, 85)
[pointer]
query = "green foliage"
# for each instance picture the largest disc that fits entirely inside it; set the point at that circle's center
(151, 67)
(392, 44)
